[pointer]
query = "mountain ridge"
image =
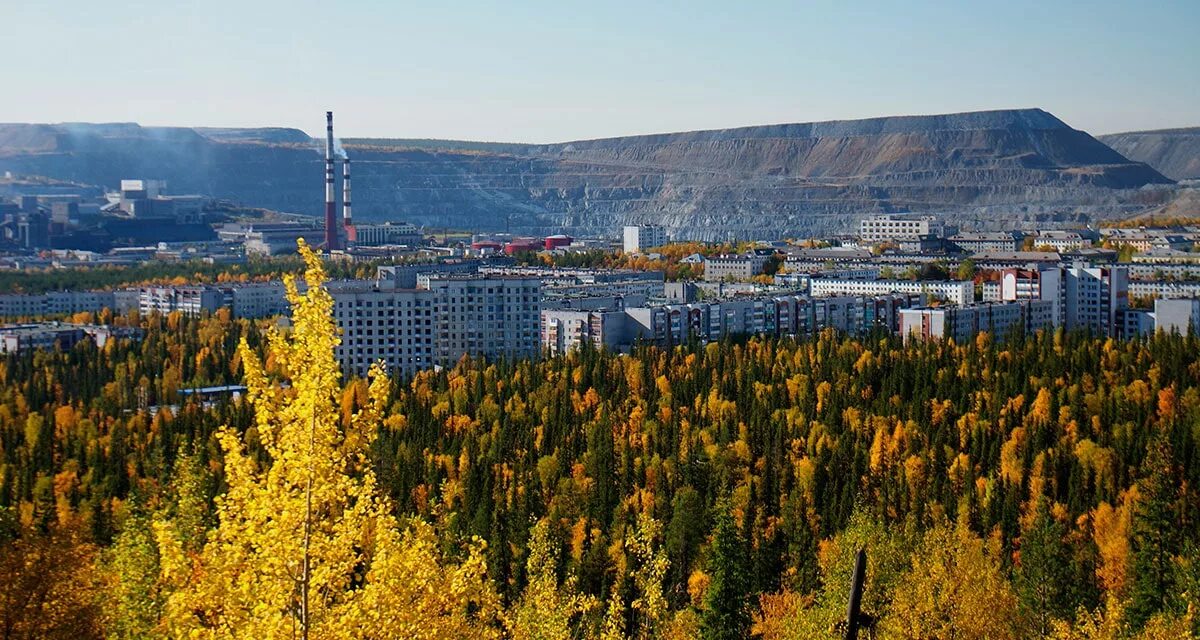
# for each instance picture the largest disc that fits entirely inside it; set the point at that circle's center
(986, 169)
(1174, 152)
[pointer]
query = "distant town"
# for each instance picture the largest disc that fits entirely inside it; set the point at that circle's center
(434, 297)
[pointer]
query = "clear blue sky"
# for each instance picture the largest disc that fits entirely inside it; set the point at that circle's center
(560, 70)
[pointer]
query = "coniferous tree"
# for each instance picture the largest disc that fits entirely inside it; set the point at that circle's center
(1044, 579)
(1154, 540)
(726, 612)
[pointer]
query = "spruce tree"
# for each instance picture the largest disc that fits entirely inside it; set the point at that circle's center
(726, 613)
(1044, 577)
(1154, 537)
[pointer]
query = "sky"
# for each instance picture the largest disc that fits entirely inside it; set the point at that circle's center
(563, 70)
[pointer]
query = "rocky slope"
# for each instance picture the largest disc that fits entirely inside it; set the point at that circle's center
(984, 169)
(1175, 153)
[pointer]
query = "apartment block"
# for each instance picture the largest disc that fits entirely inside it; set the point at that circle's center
(736, 267)
(1177, 315)
(963, 323)
(953, 291)
(490, 316)
(988, 241)
(381, 323)
(191, 300)
(1164, 289)
(777, 316)
(1066, 240)
(895, 227)
(638, 238)
(1093, 296)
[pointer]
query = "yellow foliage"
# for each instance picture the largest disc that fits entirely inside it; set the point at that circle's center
(307, 545)
(954, 590)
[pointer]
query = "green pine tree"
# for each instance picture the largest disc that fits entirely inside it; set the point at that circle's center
(726, 613)
(1044, 578)
(1154, 537)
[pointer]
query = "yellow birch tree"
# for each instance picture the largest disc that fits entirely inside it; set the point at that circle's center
(306, 546)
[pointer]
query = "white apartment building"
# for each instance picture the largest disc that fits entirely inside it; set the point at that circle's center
(638, 238)
(564, 330)
(736, 267)
(59, 303)
(489, 316)
(962, 323)
(1179, 315)
(383, 324)
(953, 291)
(894, 227)
(258, 299)
(988, 241)
(1033, 284)
(1164, 289)
(1066, 240)
(1093, 296)
(191, 300)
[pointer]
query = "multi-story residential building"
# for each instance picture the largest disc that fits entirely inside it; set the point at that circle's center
(48, 335)
(1033, 283)
(257, 299)
(381, 323)
(1148, 239)
(963, 323)
(1181, 316)
(490, 316)
(1082, 297)
(954, 291)
(778, 316)
(1167, 257)
(191, 300)
(57, 303)
(16, 338)
(564, 330)
(404, 276)
(1161, 271)
(1164, 289)
(1093, 296)
(888, 227)
(638, 238)
(1066, 240)
(1132, 323)
(737, 267)
(374, 235)
(987, 241)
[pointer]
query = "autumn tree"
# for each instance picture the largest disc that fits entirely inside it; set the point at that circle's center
(305, 545)
(954, 591)
(550, 608)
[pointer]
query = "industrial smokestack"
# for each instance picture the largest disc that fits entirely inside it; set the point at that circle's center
(347, 219)
(331, 227)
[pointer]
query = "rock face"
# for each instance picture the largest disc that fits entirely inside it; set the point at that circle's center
(987, 170)
(1175, 153)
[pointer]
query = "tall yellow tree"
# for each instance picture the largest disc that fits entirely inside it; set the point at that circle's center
(306, 546)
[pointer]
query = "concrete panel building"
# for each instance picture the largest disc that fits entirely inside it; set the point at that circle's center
(953, 291)
(638, 238)
(963, 323)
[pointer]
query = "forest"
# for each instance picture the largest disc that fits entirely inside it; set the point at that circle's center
(1043, 486)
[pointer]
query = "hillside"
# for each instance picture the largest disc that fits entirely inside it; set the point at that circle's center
(986, 169)
(1173, 152)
